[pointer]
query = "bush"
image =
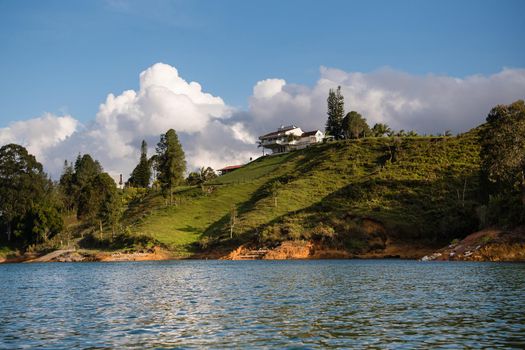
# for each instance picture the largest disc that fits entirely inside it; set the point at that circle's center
(271, 234)
(323, 232)
(123, 240)
(293, 231)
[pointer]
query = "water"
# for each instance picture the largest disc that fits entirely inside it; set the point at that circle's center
(290, 304)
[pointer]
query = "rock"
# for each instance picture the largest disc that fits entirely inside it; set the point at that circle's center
(70, 257)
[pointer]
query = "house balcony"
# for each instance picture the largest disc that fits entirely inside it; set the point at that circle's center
(277, 142)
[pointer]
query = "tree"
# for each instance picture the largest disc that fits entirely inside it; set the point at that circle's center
(40, 223)
(354, 126)
(171, 163)
(75, 181)
(66, 187)
(23, 184)
(503, 150)
(99, 201)
(141, 175)
(109, 209)
(85, 169)
(380, 129)
(194, 178)
(336, 110)
(200, 177)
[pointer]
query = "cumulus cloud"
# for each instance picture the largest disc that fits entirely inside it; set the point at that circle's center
(40, 134)
(164, 100)
(427, 104)
(215, 134)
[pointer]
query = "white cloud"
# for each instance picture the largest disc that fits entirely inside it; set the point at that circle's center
(214, 134)
(40, 134)
(163, 101)
(427, 104)
(268, 88)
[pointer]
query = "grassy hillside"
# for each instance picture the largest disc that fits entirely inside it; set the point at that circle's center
(411, 188)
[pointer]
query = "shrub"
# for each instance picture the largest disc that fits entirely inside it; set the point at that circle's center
(323, 232)
(293, 230)
(271, 234)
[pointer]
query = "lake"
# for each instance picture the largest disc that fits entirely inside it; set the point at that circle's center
(270, 304)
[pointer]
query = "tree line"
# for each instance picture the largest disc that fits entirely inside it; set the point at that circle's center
(32, 206)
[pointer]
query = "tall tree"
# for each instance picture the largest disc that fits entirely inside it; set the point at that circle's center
(41, 222)
(23, 184)
(66, 187)
(141, 175)
(99, 201)
(503, 150)
(85, 169)
(354, 126)
(74, 180)
(171, 163)
(336, 111)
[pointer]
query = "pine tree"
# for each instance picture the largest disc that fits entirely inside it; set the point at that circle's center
(336, 110)
(141, 175)
(66, 186)
(170, 162)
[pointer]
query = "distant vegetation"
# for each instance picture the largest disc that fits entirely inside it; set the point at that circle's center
(369, 186)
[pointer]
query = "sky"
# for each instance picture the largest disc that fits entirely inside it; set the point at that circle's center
(99, 76)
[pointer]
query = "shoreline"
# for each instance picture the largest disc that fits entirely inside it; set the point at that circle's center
(19, 261)
(491, 244)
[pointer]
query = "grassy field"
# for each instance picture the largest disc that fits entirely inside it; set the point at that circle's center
(416, 187)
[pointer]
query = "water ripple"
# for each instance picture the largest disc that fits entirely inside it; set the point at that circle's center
(288, 304)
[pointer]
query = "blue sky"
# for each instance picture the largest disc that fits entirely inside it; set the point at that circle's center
(66, 56)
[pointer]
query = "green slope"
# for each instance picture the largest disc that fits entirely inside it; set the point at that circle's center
(418, 188)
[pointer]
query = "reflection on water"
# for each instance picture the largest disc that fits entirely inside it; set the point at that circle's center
(219, 304)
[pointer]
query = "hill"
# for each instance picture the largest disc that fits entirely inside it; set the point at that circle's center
(371, 197)
(356, 196)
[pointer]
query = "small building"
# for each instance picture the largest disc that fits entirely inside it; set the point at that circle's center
(228, 169)
(290, 138)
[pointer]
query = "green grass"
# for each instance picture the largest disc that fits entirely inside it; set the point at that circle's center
(180, 225)
(417, 187)
(259, 168)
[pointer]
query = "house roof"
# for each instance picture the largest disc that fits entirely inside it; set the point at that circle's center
(231, 167)
(279, 131)
(309, 133)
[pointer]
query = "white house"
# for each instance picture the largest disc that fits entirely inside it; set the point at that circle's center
(289, 138)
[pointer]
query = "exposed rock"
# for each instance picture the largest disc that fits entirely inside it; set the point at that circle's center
(313, 250)
(70, 257)
(487, 245)
(291, 250)
(155, 253)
